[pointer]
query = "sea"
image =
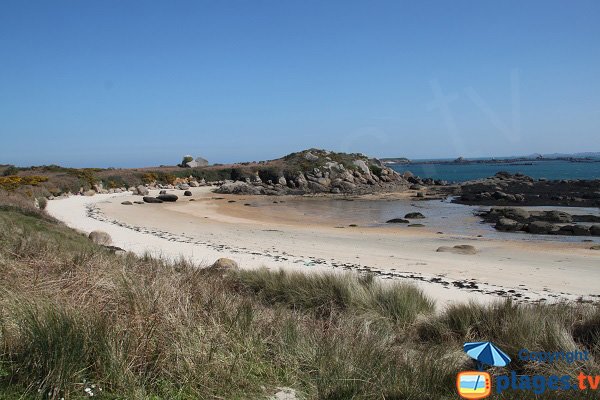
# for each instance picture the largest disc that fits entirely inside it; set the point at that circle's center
(551, 169)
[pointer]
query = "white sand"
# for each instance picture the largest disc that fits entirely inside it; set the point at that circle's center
(207, 229)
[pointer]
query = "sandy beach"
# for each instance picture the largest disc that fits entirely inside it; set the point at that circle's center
(276, 232)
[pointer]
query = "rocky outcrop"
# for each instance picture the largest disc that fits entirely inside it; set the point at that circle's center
(318, 171)
(190, 162)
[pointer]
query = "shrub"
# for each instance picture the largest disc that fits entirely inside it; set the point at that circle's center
(149, 177)
(375, 170)
(10, 170)
(10, 183)
(42, 202)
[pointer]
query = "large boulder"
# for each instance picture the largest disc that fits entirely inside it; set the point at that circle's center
(574, 230)
(224, 264)
(167, 197)
(344, 186)
(316, 187)
(310, 157)
(508, 225)
(362, 166)
(239, 187)
(556, 216)
(100, 237)
(541, 228)
(517, 214)
(142, 190)
(149, 199)
(595, 230)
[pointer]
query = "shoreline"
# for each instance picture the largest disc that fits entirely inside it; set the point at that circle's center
(220, 232)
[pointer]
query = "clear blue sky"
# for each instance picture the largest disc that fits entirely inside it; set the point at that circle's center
(137, 83)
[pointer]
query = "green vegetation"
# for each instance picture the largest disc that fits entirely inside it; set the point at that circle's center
(76, 318)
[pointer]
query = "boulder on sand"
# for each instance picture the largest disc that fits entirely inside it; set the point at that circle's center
(397, 221)
(414, 215)
(100, 237)
(458, 249)
(149, 199)
(224, 263)
(142, 190)
(168, 197)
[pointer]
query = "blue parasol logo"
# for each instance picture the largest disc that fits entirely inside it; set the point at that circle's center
(486, 353)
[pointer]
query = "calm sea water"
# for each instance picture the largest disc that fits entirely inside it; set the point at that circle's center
(537, 169)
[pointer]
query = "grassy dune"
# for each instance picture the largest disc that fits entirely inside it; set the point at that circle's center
(76, 319)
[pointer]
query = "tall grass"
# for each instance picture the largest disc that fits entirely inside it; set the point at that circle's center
(75, 319)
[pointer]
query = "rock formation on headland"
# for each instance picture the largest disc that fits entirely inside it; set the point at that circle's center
(189, 162)
(317, 171)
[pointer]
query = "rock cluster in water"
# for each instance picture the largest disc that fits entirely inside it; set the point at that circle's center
(517, 189)
(542, 222)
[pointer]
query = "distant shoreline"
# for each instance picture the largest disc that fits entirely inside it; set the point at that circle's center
(508, 161)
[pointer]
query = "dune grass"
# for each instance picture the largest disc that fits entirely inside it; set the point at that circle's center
(76, 319)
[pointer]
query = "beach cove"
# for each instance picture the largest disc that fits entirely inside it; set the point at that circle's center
(282, 232)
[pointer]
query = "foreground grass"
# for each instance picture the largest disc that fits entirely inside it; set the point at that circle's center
(76, 319)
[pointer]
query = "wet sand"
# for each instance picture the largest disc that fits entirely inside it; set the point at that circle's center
(313, 234)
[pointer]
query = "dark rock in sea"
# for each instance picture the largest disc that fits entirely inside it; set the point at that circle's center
(414, 215)
(416, 225)
(168, 197)
(555, 216)
(138, 202)
(127, 203)
(397, 221)
(541, 228)
(520, 189)
(574, 230)
(508, 225)
(187, 193)
(595, 230)
(149, 199)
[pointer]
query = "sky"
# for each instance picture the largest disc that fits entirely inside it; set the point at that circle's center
(123, 83)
